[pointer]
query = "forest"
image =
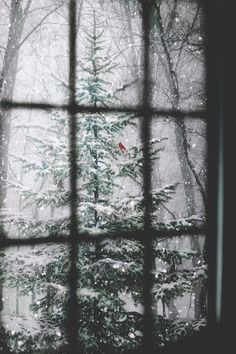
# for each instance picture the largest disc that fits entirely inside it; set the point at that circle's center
(35, 174)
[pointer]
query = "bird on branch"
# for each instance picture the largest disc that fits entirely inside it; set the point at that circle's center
(122, 147)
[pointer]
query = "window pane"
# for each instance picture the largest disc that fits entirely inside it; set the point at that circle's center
(110, 39)
(181, 161)
(37, 184)
(34, 50)
(110, 296)
(35, 297)
(179, 288)
(110, 176)
(177, 55)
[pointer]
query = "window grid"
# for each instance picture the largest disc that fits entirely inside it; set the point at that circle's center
(147, 113)
(73, 315)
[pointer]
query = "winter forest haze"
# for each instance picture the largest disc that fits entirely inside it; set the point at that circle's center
(35, 174)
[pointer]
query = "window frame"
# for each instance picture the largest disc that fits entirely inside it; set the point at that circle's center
(221, 180)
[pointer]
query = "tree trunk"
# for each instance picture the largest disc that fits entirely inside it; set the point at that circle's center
(134, 60)
(7, 81)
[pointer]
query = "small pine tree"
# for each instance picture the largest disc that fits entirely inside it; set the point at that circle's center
(110, 271)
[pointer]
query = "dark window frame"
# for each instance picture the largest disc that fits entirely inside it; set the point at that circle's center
(219, 19)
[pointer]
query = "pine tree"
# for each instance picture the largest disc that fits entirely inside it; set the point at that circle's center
(110, 271)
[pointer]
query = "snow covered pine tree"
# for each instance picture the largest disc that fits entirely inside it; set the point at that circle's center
(110, 284)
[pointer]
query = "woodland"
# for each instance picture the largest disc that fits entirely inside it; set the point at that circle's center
(35, 195)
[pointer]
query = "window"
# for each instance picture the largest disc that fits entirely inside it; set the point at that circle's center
(91, 228)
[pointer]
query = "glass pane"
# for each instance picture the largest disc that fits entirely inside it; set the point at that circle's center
(34, 50)
(37, 187)
(109, 43)
(179, 291)
(110, 296)
(177, 55)
(110, 173)
(34, 298)
(182, 163)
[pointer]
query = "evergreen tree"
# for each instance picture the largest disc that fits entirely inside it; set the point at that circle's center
(110, 271)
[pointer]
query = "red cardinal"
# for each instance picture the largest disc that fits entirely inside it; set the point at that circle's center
(122, 147)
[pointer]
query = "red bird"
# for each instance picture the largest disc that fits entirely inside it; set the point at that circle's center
(122, 147)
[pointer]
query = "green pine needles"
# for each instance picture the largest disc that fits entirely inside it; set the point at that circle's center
(110, 284)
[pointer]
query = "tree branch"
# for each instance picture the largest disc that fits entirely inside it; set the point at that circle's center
(40, 23)
(185, 39)
(27, 7)
(39, 8)
(5, 4)
(169, 211)
(125, 86)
